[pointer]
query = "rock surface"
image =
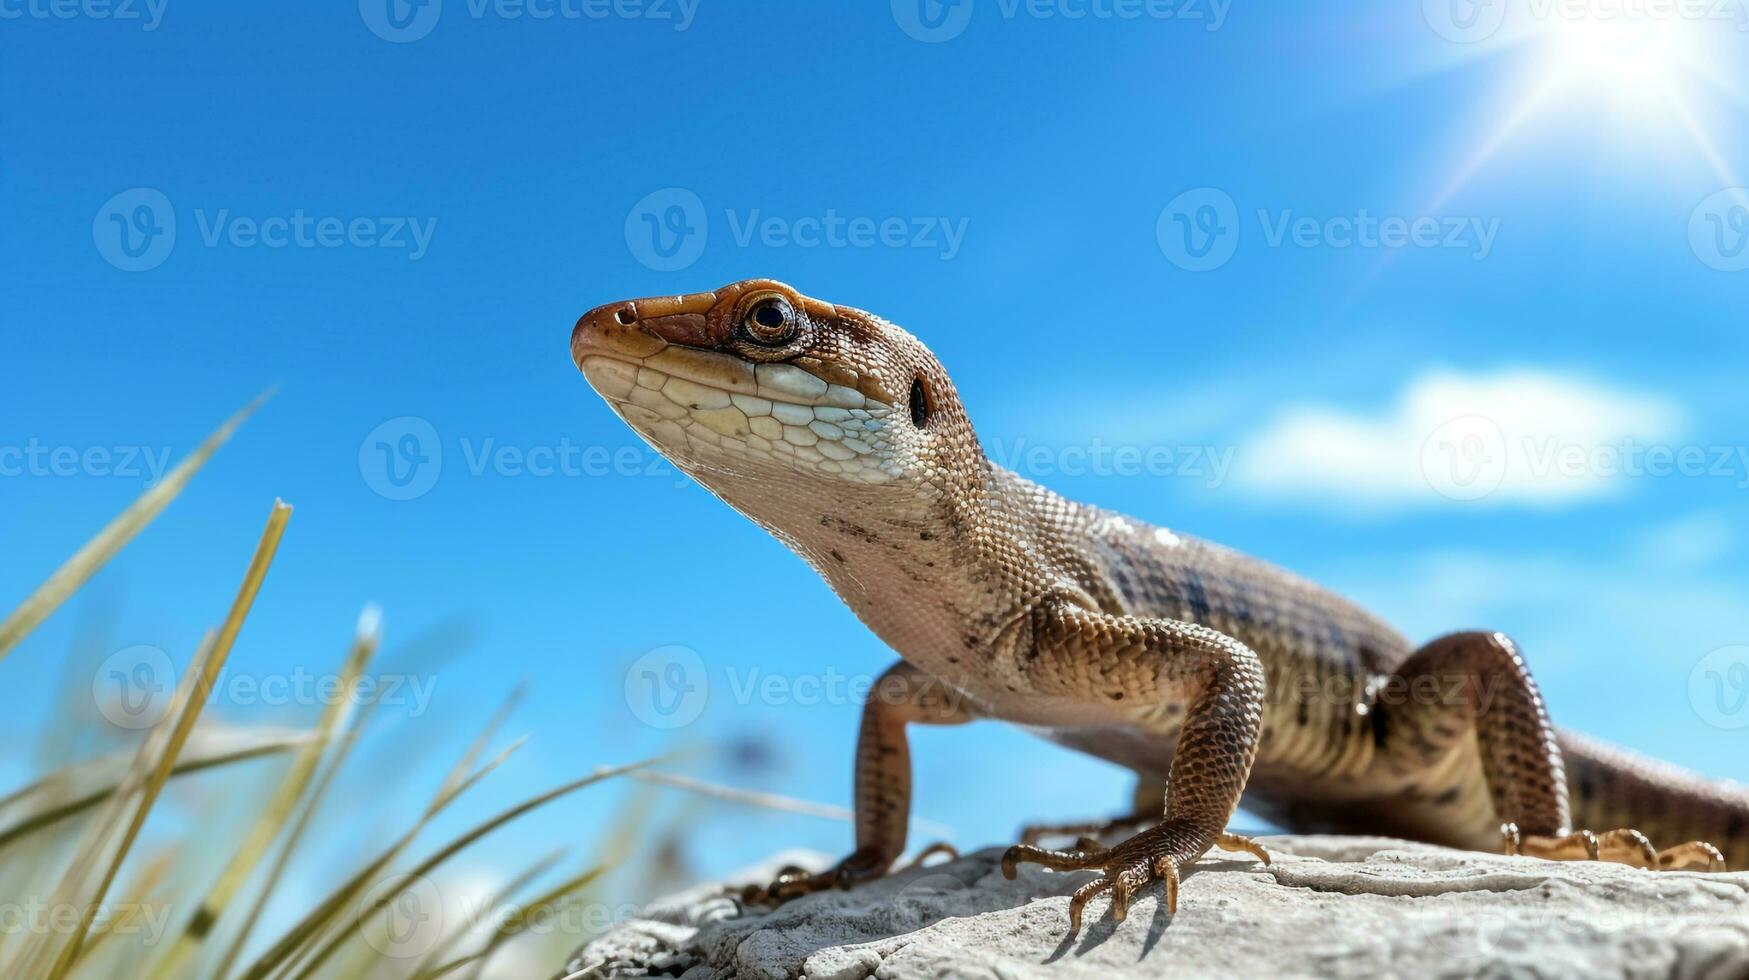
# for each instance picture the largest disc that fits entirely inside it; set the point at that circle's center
(1329, 906)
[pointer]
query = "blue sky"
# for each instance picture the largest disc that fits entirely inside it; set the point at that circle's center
(1442, 310)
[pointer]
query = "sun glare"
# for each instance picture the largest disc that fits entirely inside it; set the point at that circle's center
(1621, 57)
(1642, 79)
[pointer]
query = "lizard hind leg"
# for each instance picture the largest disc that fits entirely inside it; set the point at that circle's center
(1478, 683)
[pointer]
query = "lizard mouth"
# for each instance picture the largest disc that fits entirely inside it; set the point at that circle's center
(698, 405)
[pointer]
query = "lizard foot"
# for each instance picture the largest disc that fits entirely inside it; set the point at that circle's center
(793, 882)
(1156, 854)
(1620, 846)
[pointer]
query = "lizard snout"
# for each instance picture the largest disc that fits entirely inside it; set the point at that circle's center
(641, 327)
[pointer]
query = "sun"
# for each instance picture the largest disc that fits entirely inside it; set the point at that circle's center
(1636, 77)
(1617, 57)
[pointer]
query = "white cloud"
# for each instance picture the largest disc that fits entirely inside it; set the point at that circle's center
(1514, 437)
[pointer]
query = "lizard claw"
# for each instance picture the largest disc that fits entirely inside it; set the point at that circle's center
(793, 882)
(1622, 846)
(1157, 854)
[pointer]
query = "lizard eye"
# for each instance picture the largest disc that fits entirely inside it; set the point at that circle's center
(770, 321)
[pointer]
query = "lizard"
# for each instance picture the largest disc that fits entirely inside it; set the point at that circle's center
(1216, 677)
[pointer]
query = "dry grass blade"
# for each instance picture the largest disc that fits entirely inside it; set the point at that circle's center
(186, 710)
(288, 847)
(99, 550)
(478, 747)
(773, 801)
(49, 817)
(504, 894)
(453, 847)
(292, 944)
(513, 924)
(140, 893)
(279, 808)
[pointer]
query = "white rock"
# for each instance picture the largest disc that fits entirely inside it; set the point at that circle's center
(1330, 906)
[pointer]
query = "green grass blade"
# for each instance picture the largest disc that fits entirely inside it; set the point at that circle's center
(99, 550)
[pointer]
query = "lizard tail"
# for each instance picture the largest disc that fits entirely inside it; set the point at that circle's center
(1610, 788)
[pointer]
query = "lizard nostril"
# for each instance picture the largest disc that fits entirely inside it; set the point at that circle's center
(624, 316)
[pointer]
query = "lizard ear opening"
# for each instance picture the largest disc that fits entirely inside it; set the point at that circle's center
(919, 403)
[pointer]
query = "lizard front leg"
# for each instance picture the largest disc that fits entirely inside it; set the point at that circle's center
(1476, 682)
(903, 696)
(1149, 669)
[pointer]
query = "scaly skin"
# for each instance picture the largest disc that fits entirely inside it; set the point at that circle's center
(1199, 668)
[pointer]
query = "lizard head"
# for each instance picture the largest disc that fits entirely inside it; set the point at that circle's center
(757, 391)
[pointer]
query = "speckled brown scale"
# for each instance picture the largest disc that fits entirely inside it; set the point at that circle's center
(1199, 668)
